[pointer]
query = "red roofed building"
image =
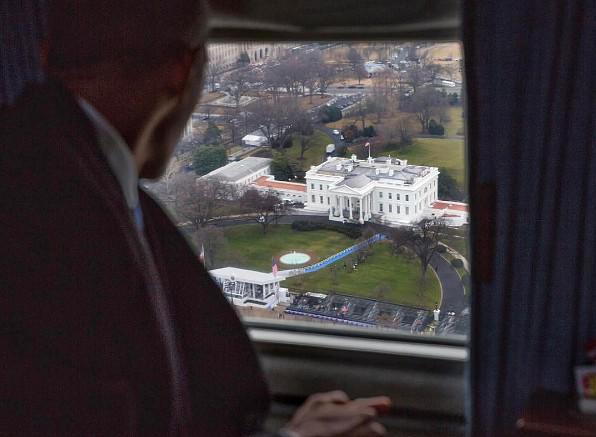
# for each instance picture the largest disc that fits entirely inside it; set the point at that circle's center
(454, 213)
(287, 191)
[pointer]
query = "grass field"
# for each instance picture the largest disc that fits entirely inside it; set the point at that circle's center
(314, 155)
(455, 126)
(248, 247)
(398, 275)
(439, 152)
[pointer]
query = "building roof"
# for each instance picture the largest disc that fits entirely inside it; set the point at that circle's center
(360, 172)
(237, 170)
(244, 275)
(269, 182)
(454, 206)
(357, 181)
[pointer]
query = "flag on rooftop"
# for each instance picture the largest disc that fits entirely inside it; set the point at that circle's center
(274, 267)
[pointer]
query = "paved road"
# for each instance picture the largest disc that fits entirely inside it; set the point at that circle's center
(454, 298)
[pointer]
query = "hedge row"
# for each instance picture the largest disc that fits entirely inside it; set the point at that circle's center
(352, 231)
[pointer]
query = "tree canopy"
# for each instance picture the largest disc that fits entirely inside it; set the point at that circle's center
(281, 168)
(448, 188)
(208, 158)
(212, 134)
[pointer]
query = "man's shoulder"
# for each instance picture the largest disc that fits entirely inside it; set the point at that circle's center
(50, 174)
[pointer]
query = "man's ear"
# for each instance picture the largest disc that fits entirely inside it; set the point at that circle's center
(178, 69)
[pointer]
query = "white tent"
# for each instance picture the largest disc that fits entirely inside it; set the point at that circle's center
(254, 140)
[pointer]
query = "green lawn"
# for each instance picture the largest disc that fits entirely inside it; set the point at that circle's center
(455, 126)
(438, 152)
(400, 276)
(247, 246)
(314, 155)
(458, 239)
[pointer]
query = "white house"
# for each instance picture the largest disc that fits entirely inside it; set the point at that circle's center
(286, 191)
(384, 189)
(250, 288)
(242, 173)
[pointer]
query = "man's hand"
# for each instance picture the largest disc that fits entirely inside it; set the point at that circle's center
(333, 414)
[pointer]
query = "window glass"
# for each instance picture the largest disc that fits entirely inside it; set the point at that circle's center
(282, 120)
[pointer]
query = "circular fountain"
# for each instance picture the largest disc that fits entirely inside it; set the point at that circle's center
(295, 258)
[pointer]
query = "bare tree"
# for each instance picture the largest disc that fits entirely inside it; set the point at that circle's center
(213, 73)
(304, 128)
(423, 240)
(275, 119)
(264, 114)
(197, 200)
(425, 104)
(289, 73)
(433, 71)
(428, 234)
(266, 206)
(415, 77)
(362, 112)
(354, 58)
(405, 138)
(325, 75)
(238, 82)
(212, 240)
(273, 81)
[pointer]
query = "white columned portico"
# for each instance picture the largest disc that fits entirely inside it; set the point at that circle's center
(360, 212)
(351, 205)
(341, 206)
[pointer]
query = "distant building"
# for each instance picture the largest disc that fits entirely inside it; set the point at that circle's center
(243, 172)
(225, 56)
(250, 288)
(286, 191)
(384, 189)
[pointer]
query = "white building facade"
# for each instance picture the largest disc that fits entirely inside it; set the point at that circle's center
(384, 189)
(286, 191)
(225, 56)
(250, 288)
(241, 173)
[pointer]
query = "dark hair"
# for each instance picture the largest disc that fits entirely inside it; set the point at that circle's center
(83, 32)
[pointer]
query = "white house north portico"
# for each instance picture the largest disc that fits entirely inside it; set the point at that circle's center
(383, 189)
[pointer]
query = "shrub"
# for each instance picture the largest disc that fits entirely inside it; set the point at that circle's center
(369, 131)
(329, 114)
(350, 230)
(457, 263)
(435, 128)
(350, 133)
(441, 248)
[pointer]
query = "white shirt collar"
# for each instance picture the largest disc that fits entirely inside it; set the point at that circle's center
(117, 153)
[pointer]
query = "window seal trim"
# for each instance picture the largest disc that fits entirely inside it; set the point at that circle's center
(366, 345)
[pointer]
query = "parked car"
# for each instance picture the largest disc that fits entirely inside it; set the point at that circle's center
(335, 132)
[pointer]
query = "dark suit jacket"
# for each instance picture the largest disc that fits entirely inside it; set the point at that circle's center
(80, 350)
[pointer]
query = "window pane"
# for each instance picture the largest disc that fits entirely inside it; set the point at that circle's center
(246, 184)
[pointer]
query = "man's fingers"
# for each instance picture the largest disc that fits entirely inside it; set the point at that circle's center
(317, 399)
(381, 404)
(335, 396)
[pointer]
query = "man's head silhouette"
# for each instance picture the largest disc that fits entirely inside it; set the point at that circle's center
(140, 63)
